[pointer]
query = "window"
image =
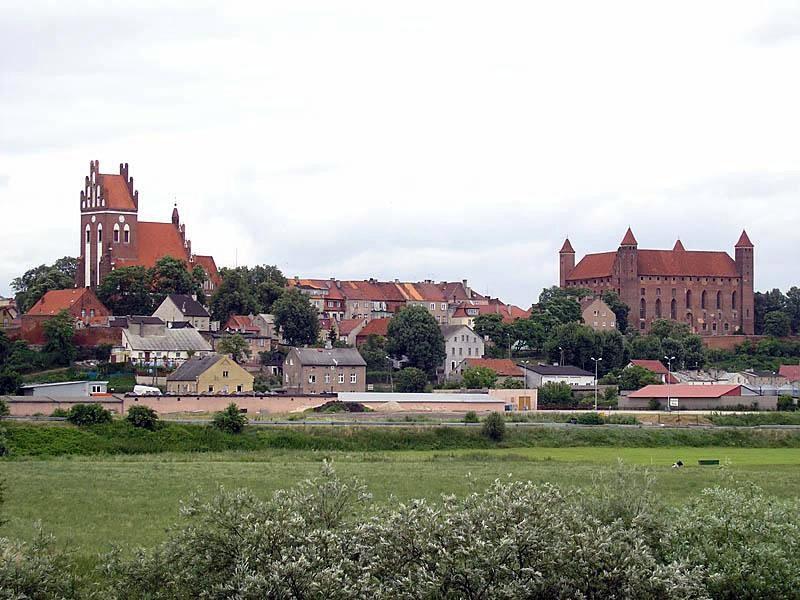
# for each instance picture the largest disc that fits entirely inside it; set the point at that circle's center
(688, 298)
(658, 291)
(642, 309)
(225, 374)
(99, 233)
(658, 308)
(674, 292)
(88, 235)
(719, 300)
(469, 351)
(433, 306)
(642, 292)
(312, 379)
(460, 350)
(116, 233)
(733, 300)
(341, 377)
(91, 312)
(96, 389)
(641, 324)
(673, 310)
(703, 300)
(454, 350)
(714, 326)
(239, 388)
(353, 378)
(726, 327)
(327, 377)
(83, 312)
(210, 388)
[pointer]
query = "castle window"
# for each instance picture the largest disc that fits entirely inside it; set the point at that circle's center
(642, 309)
(88, 235)
(719, 300)
(673, 310)
(99, 234)
(703, 300)
(116, 233)
(642, 291)
(688, 298)
(658, 308)
(674, 292)
(733, 300)
(726, 327)
(658, 291)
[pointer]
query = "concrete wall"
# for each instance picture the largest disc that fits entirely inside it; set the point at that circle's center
(764, 403)
(25, 406)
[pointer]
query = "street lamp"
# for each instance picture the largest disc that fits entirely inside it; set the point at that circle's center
(391, 376)
(561, 359)
(669, 360)
(596, 360)
(525, 372)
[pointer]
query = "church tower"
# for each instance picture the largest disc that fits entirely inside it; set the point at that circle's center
(744, 268)
(109, 215)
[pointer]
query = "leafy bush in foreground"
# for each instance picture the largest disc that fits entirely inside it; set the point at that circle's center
(230, 420)
(494, 427)
(142, 416)
(88, 414)
(35, 570)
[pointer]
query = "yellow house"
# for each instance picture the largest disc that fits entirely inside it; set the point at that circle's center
(213, 374)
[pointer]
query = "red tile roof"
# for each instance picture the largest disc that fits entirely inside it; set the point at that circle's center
(376, 327)
(629, 239)
(685, 390)
(744, 241)
(504, 367)
(346, 326)
(567, 247)
(655, 366)
(791, 372)
(678, 246)
(156, 240)
(116, 193)
(72, 300)
(509, 312)
(207, 262)
(362, 290)
(241, 323)
(670, 263)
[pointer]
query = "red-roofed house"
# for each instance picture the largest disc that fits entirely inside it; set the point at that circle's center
(657, 367)
(697, 397)
(375, 327)
(81, 303)
(112, 235)
(504, 367)
(709, 291)
(790, 372)
(241, 324)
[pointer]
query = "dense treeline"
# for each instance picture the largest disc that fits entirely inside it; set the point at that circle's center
(327, 538)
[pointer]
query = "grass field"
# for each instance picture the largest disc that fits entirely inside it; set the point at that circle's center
(89, 503)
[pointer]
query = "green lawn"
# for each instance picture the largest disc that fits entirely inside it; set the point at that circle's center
(89, 503)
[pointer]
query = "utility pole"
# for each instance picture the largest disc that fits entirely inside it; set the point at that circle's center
(669, 360)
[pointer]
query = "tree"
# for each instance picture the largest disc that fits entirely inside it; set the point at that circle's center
(664, 328)
(509, 383)
(645, 347)
(777, 324)
(88, 414)
(555, 395)
(415, 335)
(36, 282)
(230, 420)
(636, 377)
(562, 305)
(142, 416)
(765, 303)
(619, 308)
(577, 342)
(59, 331)
(170, 276)
(793, 308)
(268, 284)
(494, 427)
(126, 291)
(373, 351)
(296, 318)
(493, 328)
(234, 296)
(10, 381)
(479, 377)
(410, 380)
(235, 345)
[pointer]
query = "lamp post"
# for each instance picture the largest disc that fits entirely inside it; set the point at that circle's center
(391, 376)
(525, 372)
(561, 359)
(596, 361)
(669, 360)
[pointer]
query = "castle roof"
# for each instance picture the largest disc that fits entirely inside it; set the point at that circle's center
(669, 263)
(744, 241)
(678, 246)
(629, 239)
(567, 247)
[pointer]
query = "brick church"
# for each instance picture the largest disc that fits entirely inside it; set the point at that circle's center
(112, 235)
(709, 291)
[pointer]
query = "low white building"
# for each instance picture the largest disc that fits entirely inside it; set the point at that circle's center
(66, 389)
(538, 375)
(167, 347)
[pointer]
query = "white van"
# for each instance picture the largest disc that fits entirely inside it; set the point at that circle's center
(146, 390)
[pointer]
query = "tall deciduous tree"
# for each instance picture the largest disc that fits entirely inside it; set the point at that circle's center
(59, 332)
(562, 305)
(765, 303)
(374, 353)
(170, 276)
(36, 282)
(126, 291)
(235, 345)
(415, 335)
(777, 324)
(234, 296)
(296, 318)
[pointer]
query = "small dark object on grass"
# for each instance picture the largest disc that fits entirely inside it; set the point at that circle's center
(677, 464)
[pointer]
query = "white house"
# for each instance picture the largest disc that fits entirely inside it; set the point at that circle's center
(538, 375)
(460, 342)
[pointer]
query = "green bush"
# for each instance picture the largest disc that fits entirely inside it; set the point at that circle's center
(60, 412)
(88, 414)
(590, 418)
(471, 417)
(555, 395)
(410, 380)
(786, 403)
(142, 416)
(36, 570)
(230, 420)
(4, 410)
(494, 427)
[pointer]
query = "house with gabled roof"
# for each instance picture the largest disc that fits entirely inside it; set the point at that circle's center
(81, 303)
(183, 308)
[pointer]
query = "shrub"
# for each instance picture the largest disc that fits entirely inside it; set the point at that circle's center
(590, 418)
(494, 427)
(4, 410)
(230, 420)
(653, 404)
(142, 416)
(509, 383)
(786, 403)
(60, 412)
(475, 378)
(88, 414)
(35, 570)
(553, 394)
(410, 380)
(471, 417)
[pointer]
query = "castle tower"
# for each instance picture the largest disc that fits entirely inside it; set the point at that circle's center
(626, 273)
(109, 207)
(744, 267)
(566, 262)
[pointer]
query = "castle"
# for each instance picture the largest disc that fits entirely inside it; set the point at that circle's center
(709, 291)
(112, 235)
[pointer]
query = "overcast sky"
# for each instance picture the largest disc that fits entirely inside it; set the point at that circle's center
(442, 140)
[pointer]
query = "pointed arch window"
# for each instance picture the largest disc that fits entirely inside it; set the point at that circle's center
(719, 300)
(658, 308)
(642, 309)
(99, 233)
(703, 300)
(88, 234)
(116, 233)
(688, 298)
(733, 300)
(126, 234)
(673, 310)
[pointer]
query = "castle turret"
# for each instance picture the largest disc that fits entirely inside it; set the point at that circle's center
(566, 262)
(626, 273)
(744, 268)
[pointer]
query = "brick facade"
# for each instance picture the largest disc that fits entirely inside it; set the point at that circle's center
(709, 291)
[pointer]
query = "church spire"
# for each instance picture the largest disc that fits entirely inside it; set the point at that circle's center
(678, 246)
(176, 220)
